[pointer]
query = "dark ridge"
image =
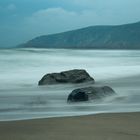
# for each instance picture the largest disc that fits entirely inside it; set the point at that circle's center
(95, 37)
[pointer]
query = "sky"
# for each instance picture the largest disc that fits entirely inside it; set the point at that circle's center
(22, 20)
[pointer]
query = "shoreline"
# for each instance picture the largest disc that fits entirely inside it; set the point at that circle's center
(105, 126)
(70, 116)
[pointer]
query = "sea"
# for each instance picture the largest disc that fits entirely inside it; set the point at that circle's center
(21, 68)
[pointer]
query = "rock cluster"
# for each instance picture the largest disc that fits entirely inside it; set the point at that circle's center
(77, 76)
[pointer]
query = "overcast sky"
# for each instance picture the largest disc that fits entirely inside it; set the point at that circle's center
(22, 20)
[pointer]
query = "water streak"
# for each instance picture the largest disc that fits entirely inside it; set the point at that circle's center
(21, 69)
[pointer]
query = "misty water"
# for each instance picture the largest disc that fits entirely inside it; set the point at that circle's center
(21, 69)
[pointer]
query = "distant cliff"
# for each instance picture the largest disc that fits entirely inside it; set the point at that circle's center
(97, 37)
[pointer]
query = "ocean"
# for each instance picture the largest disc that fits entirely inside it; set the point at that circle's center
(21, 69)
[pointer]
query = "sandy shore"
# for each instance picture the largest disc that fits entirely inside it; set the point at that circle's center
(125, 126)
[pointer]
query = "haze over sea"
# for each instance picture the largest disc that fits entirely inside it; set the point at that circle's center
(21, 69)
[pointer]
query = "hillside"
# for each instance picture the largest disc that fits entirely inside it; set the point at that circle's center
(95, 37)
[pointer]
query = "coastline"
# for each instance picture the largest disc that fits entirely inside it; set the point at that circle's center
(113, 126)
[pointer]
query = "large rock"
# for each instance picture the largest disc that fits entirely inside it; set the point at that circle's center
(71, 76)
(90, 93)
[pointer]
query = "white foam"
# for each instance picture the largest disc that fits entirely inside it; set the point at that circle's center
(21, 69)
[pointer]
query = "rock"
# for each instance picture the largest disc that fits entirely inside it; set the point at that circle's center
(78, 96)
(71, 76)
(90, 93)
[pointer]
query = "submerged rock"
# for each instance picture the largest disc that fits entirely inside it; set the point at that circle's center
(71, 76)
(90, 93)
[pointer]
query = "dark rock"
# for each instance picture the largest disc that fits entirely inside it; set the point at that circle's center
(90, 93)
(71, 76)
(78, 96)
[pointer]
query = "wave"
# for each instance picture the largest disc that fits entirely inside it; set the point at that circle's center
(21, 69)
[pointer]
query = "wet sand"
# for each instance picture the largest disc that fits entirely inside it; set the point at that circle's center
(118, 126)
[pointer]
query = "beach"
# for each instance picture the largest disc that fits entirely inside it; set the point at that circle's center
(21, 69)
(32, 112)
(117, 126)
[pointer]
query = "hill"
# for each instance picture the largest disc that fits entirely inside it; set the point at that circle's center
(95, 37)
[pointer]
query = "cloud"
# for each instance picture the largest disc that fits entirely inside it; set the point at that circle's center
(11, 7)
(53, 20)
